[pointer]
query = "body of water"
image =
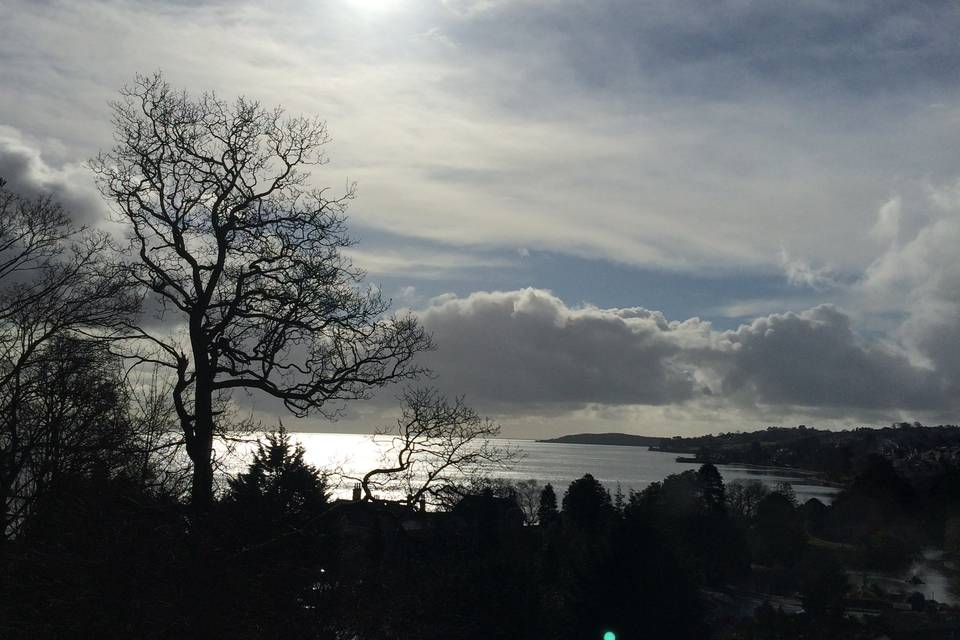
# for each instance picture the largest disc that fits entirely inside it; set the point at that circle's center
(559, 464)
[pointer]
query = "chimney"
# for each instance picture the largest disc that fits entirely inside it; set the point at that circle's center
(356, 492)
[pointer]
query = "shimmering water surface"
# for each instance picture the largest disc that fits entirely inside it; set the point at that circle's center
(631, 467)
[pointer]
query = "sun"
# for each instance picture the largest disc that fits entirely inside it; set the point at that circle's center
(375, 6)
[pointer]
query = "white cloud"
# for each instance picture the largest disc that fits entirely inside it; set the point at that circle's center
(421, 263)
(920, 278)
(887, 227)
(800, 273)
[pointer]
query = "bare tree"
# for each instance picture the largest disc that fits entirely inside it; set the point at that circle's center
(437, 446)
(59, 297)
(528, 497)
(159, 463)
(71, 421)
(246, 260)
(743, 497)
(54, 278)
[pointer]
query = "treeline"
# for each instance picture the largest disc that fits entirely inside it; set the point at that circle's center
(915, 449)
(112, 555)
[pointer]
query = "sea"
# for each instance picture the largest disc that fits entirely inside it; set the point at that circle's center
(632, 468)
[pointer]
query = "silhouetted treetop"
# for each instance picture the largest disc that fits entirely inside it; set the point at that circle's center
(586, 503)
(547, 510)
(278, 477)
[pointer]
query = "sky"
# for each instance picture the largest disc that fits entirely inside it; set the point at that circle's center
(656, 217)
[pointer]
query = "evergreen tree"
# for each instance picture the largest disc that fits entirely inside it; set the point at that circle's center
(279, 480)
(619, 501)
(547, 511)
(587, 503)
(273, 536)
(712, 491)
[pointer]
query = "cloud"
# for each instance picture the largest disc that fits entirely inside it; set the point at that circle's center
(919, 277)
(528, 347)
(667, 135)
(861, 46)
(815, 359)
(421, 263)
(800, 274)
(887, 227)
(28, 174)
(662, 134)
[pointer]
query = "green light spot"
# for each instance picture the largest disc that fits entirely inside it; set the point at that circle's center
(609, 635)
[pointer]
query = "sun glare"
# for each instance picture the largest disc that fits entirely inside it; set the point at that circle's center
(375, 6)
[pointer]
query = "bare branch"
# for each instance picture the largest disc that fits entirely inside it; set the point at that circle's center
(437, 443)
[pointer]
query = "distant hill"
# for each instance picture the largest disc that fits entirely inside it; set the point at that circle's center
(621, 439)
(914, 449)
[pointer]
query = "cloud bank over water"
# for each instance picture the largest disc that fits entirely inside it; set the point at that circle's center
(523, 349)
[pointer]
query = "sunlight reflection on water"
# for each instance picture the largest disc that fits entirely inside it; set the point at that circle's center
(633, 467)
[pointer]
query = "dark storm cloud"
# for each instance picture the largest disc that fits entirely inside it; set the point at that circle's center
(28, 175)
(528, 347)
(814, 358)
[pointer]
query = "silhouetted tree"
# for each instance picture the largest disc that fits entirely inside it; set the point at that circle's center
(547, 509)
(689, 510)
(279, 479)
(778, 533)
(712, 491)
(586, 504)
(877, 498)
(679, 495)
(637, 588)
(56, 286)
(99, 558)
(74, 421)
(786, 490)
(272, 522)
(645, 504)
(619, 500)
(438, 447)
(743, 496)
(245, 260)
(528, 497)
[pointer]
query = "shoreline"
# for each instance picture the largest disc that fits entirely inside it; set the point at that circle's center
(813, 474)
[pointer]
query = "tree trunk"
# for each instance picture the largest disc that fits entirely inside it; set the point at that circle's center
(201, 489)
(3, 509)
(201, 449)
